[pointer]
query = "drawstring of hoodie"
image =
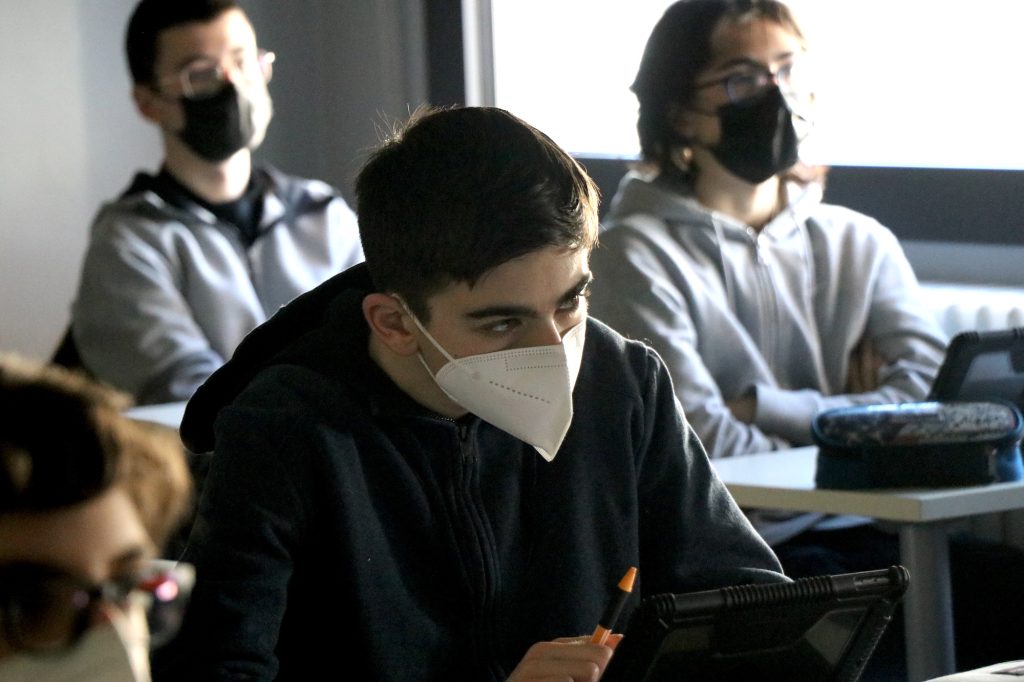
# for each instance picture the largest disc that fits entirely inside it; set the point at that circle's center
(809, 270)
(727, 279)
(809, 284)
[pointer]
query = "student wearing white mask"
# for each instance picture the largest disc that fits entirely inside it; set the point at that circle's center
(87, 497)
(440, 448)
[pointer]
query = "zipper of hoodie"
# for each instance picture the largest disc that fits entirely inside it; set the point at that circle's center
(768, 313)
(473, 522)
(245, 252)
(461, 431)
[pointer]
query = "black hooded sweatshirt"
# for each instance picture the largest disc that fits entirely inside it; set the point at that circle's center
(347, 532)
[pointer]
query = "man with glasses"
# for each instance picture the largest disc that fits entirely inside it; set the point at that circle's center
(87, 498)
(186, 262)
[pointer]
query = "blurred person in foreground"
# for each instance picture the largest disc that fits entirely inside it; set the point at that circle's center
(87, 497)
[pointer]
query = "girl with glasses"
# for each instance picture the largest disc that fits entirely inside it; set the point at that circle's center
(766, 303)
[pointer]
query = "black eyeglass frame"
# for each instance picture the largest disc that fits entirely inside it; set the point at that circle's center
(164, 585)
(764, 79)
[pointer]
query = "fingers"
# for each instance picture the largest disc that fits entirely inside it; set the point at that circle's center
(567, 660)
(854, 381)
(612, 641)
(868, 373)
(865, 366)
(744, 408)
(855, 373)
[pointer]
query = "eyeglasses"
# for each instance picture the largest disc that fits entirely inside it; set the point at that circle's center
(205, 78)
(755, 80)
(45, 608)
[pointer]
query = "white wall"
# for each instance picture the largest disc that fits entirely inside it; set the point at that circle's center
(70, 137)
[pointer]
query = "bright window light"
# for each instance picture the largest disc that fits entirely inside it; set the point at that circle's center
(907, 83)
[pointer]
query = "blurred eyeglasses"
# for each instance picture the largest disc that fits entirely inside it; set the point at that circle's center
(204, 78)
(45, 608)
(744, 86)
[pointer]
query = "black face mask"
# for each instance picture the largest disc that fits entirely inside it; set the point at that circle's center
(218, 126)
(758, 139)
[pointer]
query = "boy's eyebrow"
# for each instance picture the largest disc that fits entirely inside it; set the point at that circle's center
(581, 285)
(183, 64)
(526, 311)
(194, 58)
(747, 61)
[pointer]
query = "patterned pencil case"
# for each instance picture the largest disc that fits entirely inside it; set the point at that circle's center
(919, 445)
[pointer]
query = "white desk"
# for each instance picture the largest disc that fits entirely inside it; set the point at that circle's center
(785, 480)
(168, 414)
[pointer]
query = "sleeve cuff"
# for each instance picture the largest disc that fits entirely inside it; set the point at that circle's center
(786, 414)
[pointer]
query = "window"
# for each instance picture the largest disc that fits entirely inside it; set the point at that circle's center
(906, 83)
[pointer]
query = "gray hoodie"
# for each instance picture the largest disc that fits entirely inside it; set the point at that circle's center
(167, 290)
(777, 313)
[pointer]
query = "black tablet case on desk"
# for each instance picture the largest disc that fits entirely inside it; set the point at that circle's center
(820, 629)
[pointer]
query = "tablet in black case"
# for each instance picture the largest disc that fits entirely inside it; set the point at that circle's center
(983, 366)
(820, 629)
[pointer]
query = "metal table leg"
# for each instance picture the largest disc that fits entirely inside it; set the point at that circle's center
(928, 605)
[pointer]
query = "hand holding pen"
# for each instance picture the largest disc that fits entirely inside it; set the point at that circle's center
(577, 658)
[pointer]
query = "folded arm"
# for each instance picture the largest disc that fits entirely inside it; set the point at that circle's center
(131, 322)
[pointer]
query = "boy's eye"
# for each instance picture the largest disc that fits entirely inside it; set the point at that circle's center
(503, 326)
(573, 303)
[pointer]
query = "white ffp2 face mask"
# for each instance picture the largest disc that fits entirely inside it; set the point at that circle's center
(526, 392)
(113, 651)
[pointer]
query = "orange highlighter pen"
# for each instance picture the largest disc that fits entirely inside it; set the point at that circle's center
(614, 608)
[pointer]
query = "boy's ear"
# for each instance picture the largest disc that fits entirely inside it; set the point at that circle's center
(146, 102)
(387, 319)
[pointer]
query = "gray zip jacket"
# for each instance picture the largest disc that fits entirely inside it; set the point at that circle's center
(168, 291)
(777, 313)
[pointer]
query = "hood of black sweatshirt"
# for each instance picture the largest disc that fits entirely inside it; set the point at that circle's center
(314, 330)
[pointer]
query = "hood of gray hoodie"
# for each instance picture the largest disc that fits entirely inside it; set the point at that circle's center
(675, 203)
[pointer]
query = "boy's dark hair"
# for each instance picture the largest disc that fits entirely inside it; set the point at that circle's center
(151, 17)
(457, 192)
(678, 49)
(63, 440)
